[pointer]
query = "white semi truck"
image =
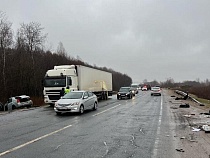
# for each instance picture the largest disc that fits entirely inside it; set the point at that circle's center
(76, 77)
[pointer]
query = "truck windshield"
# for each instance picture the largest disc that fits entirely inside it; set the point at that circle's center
(55, 82)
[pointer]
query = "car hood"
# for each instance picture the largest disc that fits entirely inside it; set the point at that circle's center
(123, 92)
(67, 101)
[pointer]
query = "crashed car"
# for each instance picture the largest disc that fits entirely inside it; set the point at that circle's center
(19, 101)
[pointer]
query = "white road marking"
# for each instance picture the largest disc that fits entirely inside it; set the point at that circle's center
(158, 129)
(106, 110)
(32, 141)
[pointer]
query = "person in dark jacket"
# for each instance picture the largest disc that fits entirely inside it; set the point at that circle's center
(62, 92)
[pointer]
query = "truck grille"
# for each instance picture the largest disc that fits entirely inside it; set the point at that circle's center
(54, 97)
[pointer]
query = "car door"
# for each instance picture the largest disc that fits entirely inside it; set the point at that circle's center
(86, 100)
(91, 100)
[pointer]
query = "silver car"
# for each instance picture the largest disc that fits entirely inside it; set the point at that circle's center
(155, 91)
(19, 101)
(76, 101)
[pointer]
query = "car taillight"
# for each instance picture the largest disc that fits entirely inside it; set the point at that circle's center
(18, 100)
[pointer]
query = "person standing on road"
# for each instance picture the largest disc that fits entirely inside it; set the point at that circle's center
(67, 90)
(62, 92)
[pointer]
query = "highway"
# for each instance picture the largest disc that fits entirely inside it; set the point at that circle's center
(141, 127)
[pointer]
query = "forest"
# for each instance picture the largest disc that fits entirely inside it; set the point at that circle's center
(24, 61)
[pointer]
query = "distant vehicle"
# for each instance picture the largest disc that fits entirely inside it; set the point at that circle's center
(77, 78)
(155, 91)
(76, 101)
(135, 88)
(125, 92)
(19, 101)
(144, 88)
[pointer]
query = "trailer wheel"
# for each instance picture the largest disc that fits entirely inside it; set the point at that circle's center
(81, 109)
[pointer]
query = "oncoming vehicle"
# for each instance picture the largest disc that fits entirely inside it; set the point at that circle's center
(19, 101)
(134, 88)
(76, 101)
(125, 92)
(155, 91)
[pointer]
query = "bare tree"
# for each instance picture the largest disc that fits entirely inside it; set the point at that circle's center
(6, 36)
(61, 50)
(31, 39)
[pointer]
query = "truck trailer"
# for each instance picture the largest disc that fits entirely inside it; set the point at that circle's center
(76, 77)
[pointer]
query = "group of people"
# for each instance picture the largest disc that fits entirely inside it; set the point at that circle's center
(64, 91)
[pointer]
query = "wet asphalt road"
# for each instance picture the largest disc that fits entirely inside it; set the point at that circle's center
(135, 128)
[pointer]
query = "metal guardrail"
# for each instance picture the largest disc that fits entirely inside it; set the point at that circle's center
(190, 97)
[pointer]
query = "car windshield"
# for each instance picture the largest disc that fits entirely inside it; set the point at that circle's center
(124, 89)
(155, 88)
(55, 82)
(73, 95)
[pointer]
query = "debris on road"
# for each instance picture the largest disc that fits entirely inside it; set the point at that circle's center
(206, 128)
(195, 129)
(180, 150)
(184, 105)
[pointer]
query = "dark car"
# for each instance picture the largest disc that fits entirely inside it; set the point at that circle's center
(125, 92)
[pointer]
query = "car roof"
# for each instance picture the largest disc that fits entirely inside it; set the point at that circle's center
(125, 87)
(22, 96)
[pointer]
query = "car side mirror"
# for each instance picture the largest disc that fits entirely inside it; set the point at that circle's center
(85, 97)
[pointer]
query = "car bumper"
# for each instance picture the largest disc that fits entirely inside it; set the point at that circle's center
(66, 110)
(155, 93)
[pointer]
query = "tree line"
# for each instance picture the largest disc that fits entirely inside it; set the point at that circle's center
(24, 62)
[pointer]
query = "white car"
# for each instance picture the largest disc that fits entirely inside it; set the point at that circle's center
(76, 101)
(19, 101)
(155, 91)
(144, 88)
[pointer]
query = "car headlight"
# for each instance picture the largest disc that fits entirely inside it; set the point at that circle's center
(56, 104)
(75, 103)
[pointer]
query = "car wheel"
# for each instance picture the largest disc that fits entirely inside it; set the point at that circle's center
(29, 106)
(81, 109)
(13, 107)
(58, 113)
(95, 106)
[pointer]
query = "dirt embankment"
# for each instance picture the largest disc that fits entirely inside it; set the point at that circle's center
(193, 142)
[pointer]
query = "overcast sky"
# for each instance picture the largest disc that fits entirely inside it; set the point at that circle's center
(145, 39)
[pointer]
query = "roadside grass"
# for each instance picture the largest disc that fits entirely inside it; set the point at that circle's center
(206, 102)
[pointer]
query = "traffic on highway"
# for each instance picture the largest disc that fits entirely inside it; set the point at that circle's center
(118, 128)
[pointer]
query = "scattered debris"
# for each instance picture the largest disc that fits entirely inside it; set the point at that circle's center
(182, 138)
(206, 128)
(180, 150)
(205, 113)
(184, 106)
(173, 96)
(195, 129)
